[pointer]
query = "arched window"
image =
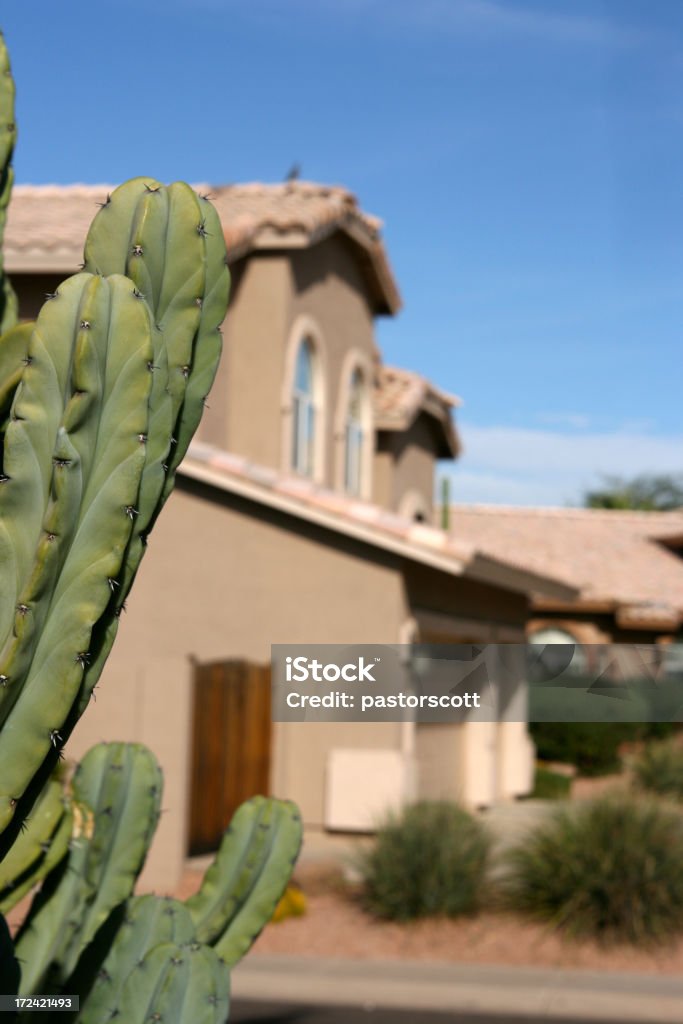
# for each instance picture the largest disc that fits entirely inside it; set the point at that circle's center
(568, 654)
(303, 410)
(354, 435)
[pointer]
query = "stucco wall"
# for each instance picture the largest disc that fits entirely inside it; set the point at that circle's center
(329, 288)
(244, 414)
(405, 465)
(468, 600)
(271, 292)
(223, 579)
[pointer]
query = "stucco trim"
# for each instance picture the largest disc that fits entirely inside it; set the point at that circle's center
(305, 327)
(355, 359)
(476, 567)
(348, 528)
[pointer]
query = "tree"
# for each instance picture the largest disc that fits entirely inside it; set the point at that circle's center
(648, 492)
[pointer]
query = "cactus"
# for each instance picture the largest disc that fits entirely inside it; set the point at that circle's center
(8, 138)
(54, 851)
(176, 984)
(85, 931)
(121, 784)
(26, 860)
(99, 399)
(243, 886)
(170, 242)
(73, 460)
(148, 921)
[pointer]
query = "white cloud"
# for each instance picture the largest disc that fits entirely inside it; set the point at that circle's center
(523, 466)
(568, 419)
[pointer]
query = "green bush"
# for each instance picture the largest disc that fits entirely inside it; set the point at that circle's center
(431, 859)
(659, 769)
(611, 869)
(550, 785)
(592, 746)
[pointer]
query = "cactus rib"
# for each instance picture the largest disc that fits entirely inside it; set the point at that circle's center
(242, 887)
(148, 922)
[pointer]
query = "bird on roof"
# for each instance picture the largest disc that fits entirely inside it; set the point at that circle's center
(294, 173)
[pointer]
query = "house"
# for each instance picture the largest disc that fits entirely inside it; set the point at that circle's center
(301, 515)
(626, 566)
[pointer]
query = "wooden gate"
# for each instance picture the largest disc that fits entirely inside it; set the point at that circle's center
(230, 746)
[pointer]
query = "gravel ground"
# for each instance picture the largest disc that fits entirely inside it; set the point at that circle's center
(335, 926)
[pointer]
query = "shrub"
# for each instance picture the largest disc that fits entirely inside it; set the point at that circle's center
(550, 785)
(659, 768)
(592, 746)
(611, 869)
(431, 859)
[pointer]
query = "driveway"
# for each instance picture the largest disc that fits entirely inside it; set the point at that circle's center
(282, 1013)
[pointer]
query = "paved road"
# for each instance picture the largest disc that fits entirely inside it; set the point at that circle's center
(316, 990)
(271, 1013)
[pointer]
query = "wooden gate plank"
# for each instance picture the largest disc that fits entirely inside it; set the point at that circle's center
(231, 745)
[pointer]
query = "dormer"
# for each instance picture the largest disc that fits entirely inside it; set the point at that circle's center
(414, 427)
(295, 389)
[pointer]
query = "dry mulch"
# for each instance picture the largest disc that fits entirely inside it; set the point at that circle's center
(336, 926)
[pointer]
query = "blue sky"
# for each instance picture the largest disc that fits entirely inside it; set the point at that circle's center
(525, 156)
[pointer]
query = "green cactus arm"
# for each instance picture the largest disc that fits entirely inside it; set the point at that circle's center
(206, 350)
(39, 828)
(150, 233)
(49, 923)
(57, 849)
(176, 984)
(148, 921)
(151, 486)
(74, 455)
(8, 138)
(10, 972)
(170, 242)
(121, 784)
(13, 351)
(245, 882)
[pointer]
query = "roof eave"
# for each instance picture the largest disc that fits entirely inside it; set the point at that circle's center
(511, 577)
(473, 566)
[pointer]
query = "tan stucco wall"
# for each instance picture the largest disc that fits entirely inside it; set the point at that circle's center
(440, 757)
(270, 292)
(224, 580)
(244, 411)
(328, 287)
(405, 462)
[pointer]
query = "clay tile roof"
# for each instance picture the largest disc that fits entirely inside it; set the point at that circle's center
(371, 523)
(400, 395)
(617, 558)
(47, 225)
